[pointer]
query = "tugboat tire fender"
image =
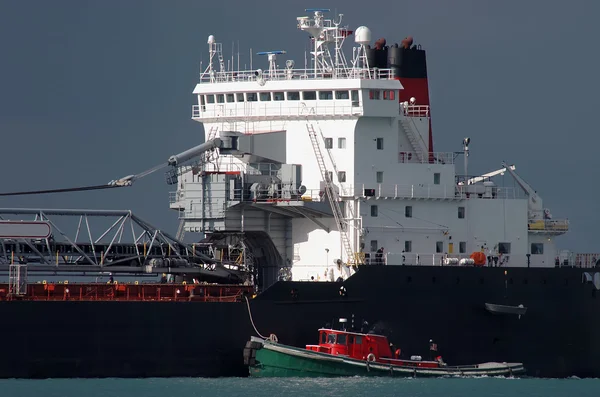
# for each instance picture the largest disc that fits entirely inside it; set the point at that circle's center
(371, 357)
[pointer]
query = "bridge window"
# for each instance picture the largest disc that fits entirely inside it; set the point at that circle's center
(210, 99)
(374, 210)
(462, 247)
(537, 248)
(439, 247)
(379, 176)
(341, 143)
(265, 96)
(504, 248)
(293, 96)
(342, 95)
(408, 246)
(436, 178)
(230, 98)
(251, 97)
(220, 98)
(354, 96)
(278, 96)
(342, 176)
(325, 95)
(379, 143)
(341, 339)
(408, 211)
(461, 212)
(328, 143)
(240, 97)
(309, 95)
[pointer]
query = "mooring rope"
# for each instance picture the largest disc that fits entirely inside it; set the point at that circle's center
(251, 320)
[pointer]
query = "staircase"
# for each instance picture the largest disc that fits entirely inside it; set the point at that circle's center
(180, 230)
(211, 155)
(334, 199)
(416, 141)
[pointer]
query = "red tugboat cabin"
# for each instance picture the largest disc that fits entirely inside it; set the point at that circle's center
(365, 347)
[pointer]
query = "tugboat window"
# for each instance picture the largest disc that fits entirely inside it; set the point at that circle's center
(341, 339)
(331, 338)
(358, 340)
(350, 339)
(323, 337)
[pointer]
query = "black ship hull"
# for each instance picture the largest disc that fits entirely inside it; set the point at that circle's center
(555, 337)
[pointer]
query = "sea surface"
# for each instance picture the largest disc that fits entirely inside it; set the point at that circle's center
(290, 387)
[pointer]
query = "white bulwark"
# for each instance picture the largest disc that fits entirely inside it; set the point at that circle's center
(325, 163)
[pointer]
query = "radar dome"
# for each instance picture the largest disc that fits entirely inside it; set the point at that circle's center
(362, 35)
(211, 39)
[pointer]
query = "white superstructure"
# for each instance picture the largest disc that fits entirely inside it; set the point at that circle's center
(337, 126)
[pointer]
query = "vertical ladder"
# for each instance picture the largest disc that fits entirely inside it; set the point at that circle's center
(331, 195)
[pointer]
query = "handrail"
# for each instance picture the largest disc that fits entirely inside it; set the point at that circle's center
(272, 109)
(298, 74)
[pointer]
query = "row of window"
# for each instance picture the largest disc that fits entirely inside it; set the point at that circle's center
(278, 96)
(342, 143)
(408, 213)
(385, 94)
(503, 248)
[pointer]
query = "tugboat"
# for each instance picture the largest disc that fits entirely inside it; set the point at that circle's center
(349, 353)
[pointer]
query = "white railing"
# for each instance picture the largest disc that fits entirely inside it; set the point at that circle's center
(423, 191)
(414, 110)
(496, 260)
(275, 109)
(427, 158)
(298, 74)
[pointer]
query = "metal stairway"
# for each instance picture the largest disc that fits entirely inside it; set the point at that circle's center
(180, 230)
(211, 155)
(331, 195)
(415, 139)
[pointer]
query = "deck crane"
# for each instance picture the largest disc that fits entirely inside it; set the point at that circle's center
(535, 207)
(483, 177)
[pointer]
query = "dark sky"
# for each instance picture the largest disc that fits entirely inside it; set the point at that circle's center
(95, 90)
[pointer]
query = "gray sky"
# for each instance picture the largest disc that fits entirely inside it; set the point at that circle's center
(95, 90)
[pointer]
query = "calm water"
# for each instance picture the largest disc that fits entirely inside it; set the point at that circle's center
(348, 387)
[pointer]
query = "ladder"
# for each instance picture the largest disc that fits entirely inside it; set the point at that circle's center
(331, 194)
(415, 139)
(180, 230)
(212, 154)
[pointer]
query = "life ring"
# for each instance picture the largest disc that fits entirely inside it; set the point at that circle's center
(273, 338)
(371, 357)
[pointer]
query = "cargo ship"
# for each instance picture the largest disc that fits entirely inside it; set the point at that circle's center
(304, 176)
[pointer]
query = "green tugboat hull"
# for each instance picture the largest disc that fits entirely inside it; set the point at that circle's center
(268, 359)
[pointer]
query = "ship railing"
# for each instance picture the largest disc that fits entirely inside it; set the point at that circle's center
(414, 110)
(298, 74)
(430, 158)
(426, 191)
(548, 225)
(44, 291)
(493, 257)
(274, 109)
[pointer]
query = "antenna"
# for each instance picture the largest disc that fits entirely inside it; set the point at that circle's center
(238, 53)
(466, 142)
(315, 27)
(272, 56)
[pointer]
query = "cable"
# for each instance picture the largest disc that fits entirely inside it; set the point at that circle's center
(251, 320)
(73, 189)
